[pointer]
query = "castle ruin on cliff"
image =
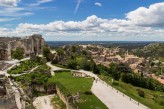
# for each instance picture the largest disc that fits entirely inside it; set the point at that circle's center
(30, 45)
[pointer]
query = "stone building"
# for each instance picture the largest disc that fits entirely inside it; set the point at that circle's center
(30, 45)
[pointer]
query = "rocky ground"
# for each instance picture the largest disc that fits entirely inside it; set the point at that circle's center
(43, 102)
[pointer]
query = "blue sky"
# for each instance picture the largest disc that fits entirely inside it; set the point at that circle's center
(113, 20)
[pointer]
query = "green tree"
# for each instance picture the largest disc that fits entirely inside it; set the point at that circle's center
(60, 52)
(73, 48)
(46, 52)
(72, 64)
(18, 54)
(123, 68)
(113, 71)
(95, 69)
(112, 68)
(86, 65)
(103, 69)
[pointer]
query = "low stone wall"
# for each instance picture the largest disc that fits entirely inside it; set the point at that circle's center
(62, 97)
(79, 74)
(8, 103)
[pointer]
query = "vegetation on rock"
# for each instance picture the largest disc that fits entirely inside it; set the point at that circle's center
(23, 67)
(17, 54)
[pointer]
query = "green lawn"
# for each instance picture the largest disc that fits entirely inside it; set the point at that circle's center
(74, 85)
(152, 99)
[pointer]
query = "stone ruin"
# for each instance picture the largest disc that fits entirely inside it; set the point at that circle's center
(79, 74)
(7, 98)
(30, 45)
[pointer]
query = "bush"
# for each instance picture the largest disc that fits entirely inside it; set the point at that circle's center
(71, 64)
(141, 93)
(159, 99)
(46, 52)
(88, 92)
(18, 54)
(115, 83)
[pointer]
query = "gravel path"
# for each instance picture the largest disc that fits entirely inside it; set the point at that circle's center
(54, 68)
(111, 98)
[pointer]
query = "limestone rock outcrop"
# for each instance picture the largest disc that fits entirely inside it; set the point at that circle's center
(30, 45)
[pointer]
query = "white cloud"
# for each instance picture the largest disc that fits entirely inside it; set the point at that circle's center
(14, 12)
(39, 2)
(9, 2)
(107, 29)
(151, 16)
(98, 4)
(8, 19)
(77, 6)
(10, 10)
(92, 26)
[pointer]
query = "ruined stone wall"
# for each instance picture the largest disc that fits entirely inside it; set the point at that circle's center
(62, 97)
(30, 45)
(8, 103)
(7, 98)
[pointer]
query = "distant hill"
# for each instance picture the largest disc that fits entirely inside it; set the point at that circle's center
(155, 50)
(127, 45)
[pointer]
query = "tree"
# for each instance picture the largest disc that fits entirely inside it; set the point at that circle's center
(73, 48)
(112, 68)
(113, 71)
(72, 64)
(60, 52)
(18, 54)
(95, 69)
(123, 68)
(85, 64)
(46, 52)
(102, 69)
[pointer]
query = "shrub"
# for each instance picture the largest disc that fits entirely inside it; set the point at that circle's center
(141, 93)
(18, 54)
(115, 83)
(88, 92)
(46, 52)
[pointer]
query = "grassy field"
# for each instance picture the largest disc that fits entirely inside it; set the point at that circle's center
(81, 85)
(152, 99)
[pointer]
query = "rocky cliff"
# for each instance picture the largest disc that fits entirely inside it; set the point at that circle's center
(30, 45)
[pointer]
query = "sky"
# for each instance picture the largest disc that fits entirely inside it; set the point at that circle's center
(83, 20)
